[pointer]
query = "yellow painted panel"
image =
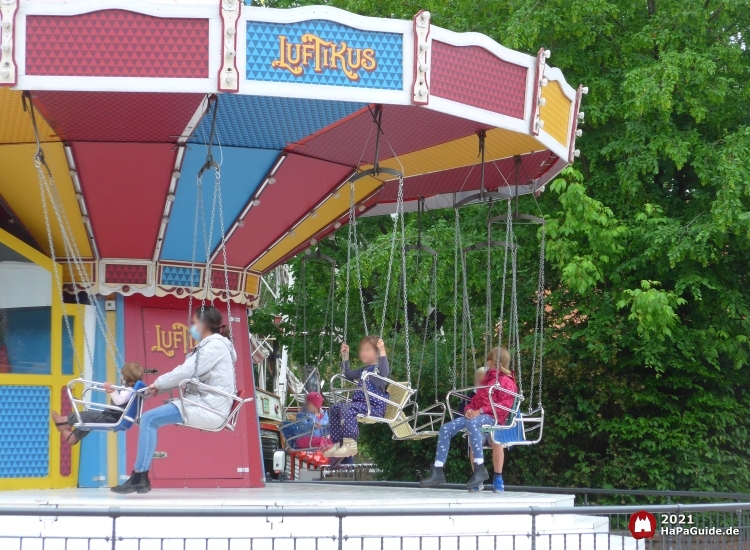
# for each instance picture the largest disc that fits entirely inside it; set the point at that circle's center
(19, 187)
(86, 267)
(16, 123)
(330, 211)
(252, 284)
(555, 112)
(499, 144)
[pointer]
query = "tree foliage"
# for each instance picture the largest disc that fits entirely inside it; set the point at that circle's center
(647, 382)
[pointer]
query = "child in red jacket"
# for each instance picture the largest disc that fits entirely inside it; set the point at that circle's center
(479, 412)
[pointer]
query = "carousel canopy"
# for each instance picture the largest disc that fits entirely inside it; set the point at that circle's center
(304, 99)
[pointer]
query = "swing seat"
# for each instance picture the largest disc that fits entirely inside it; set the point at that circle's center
(298, 434)
(519, 433)
(399, 395)
(229, 420)
(420, 424)
(131, 413)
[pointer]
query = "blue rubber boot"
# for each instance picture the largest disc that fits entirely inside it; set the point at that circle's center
(497, 484)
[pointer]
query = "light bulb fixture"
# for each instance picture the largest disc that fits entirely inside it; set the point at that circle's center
(6, 47)
(72, 173)
(331, 237)
(271, 180)
(79, 197)
(424, 47)
(547, 54)
(541, 124)
(579, 132)
(577, 153)
(585, 90)
(256, 202)
(292, 233)
(361, 207)
(314, 214)
(165, 219)
(230, 31)
(423, 67)
(241, 223)
(313, 242)
(542, 101)
(545, 81)
(176, 174)
(422, 92)
(336, 194)
(230, 54)
(5, 74)
(581, 115)
(85, 219)
(425, 16)
(170, 197)
(6, 24)
(336, 225)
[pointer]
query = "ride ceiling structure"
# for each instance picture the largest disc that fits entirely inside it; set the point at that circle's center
(124, 96)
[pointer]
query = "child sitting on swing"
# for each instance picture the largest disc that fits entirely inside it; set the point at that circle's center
(131, 373)
(344, 427)
(479, 412)
(318, 438)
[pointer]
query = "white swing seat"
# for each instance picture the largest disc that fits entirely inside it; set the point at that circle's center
(399, 396)
(229, 419)
(463, 396)
(420, 424)
(131, 412)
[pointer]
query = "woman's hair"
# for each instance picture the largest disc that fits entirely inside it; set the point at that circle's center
(213, 320)
(131, 372)
(372, 341)
(500, 358)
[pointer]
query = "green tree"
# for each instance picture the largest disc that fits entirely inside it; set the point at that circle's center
(647, 382)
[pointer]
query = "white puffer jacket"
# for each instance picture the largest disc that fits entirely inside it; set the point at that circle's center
(211, 362)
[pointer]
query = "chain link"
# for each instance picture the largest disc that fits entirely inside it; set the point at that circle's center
(456, 252)
(537, 356)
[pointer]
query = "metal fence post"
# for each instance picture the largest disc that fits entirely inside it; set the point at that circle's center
(113, 513)
(533, 528)
(341, 513)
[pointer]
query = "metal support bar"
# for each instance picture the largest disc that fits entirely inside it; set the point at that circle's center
(210, 162)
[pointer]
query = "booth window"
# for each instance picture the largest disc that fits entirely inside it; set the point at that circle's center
(25, 340)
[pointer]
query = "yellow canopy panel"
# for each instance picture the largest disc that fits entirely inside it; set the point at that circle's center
(15, 123)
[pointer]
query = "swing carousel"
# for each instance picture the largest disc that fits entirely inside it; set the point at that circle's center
(159, 156)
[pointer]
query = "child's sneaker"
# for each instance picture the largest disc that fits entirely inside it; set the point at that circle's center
(497, 484)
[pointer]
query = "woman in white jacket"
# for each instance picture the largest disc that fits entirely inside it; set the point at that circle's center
(211, 362)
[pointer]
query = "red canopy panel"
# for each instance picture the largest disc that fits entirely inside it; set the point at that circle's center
(476, 77)
(405, 129)
(125, 187)
(468, 178)
(116, 43)
(301, 183)
(118, 116)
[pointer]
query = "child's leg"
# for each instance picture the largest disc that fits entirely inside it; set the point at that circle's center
(475, 436)
(334, 424)
(498, 457)
(350, 429)
(444, 439)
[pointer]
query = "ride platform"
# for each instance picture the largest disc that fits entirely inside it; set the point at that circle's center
(389, 529)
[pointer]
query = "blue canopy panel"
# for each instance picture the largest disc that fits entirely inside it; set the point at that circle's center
(242, 171)
(270, 122)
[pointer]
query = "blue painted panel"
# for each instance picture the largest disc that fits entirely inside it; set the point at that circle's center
(68, 355)
(180, 276)
(24, 431)
(120, 339)
(242, 171)
(270, 122)
(264, 47)
(27, 339)
(92, 469)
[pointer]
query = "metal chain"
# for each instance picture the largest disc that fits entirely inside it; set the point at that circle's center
(400, 215)
(537, 352)
(390, 257)
(488, 317)
(508, 230)
(348, 264)
(433, 275)
(224, 254)
(303, 288)
(515, 340)
(193, 283)
(434, 326)
(456, 252)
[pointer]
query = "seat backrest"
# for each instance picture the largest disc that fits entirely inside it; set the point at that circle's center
(131, 411)
(233, 410)
(512, 415)
(398, 395)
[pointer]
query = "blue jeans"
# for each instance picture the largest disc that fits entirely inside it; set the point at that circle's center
(472, 428)
(151, 421)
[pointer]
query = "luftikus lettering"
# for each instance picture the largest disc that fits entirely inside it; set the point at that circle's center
(320, 55)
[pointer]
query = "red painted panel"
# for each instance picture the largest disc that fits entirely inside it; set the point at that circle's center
(126, 274)
(194, 458)
(125, 186)
(116, 43)
(301, 183)
(476, 77)
(117, 116)
(406, 129)
(467, 178)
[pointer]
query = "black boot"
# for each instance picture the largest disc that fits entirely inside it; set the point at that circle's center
(436, 477)
(479, 476)
(138, 482)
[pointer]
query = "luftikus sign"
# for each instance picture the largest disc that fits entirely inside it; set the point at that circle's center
(320, 55)
(324, 52)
